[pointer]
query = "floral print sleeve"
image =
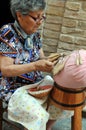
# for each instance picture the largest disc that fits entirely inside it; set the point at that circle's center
(7, 41)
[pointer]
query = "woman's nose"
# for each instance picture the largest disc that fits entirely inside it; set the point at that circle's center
(39, 22)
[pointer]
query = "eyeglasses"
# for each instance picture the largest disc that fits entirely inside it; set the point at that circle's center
(38, 19)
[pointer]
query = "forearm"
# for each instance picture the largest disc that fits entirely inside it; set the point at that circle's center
(16, 70)
(9, 69)
(41, 53)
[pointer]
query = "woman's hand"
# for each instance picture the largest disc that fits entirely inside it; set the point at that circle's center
(44, 65)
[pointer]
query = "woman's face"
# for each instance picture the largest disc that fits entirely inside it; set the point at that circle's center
(31, 22)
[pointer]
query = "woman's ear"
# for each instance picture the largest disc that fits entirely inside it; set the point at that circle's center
(19, 16)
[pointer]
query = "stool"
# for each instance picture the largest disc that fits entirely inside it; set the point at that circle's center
(2, 110)
(69, 99)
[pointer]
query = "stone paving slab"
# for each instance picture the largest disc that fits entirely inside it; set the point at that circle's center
(66, 124)
(59, 125)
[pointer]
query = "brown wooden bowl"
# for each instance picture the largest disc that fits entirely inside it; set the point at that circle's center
(41, 91)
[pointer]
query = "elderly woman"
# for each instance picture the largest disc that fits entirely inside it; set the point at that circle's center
(22, 60)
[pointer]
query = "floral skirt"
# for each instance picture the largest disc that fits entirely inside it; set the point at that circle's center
(31, 112)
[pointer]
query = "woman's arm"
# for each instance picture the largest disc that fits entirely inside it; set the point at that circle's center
(9, 69)
(41, 53)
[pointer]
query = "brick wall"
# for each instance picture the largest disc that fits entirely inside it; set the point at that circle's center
(65, 26)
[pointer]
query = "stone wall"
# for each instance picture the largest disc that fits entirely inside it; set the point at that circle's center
(65, 26)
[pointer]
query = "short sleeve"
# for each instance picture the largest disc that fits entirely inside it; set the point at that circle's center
(6, 44)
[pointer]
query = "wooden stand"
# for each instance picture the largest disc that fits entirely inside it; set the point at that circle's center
(69, 99)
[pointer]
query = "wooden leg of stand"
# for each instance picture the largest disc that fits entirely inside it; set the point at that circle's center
(72, 119)
(77, 119)
(1, 114)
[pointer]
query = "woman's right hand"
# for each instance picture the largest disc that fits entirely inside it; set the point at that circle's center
(44, 65)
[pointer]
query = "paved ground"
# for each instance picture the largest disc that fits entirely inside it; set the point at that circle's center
(60, 125)
(66, 125)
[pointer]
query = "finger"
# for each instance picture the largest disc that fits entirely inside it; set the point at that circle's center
(49, 64)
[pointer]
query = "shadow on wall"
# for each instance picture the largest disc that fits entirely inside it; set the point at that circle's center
(5, 14)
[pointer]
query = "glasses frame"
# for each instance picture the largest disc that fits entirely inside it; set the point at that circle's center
(37, 19)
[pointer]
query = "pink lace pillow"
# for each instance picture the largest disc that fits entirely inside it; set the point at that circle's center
(73, 75)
